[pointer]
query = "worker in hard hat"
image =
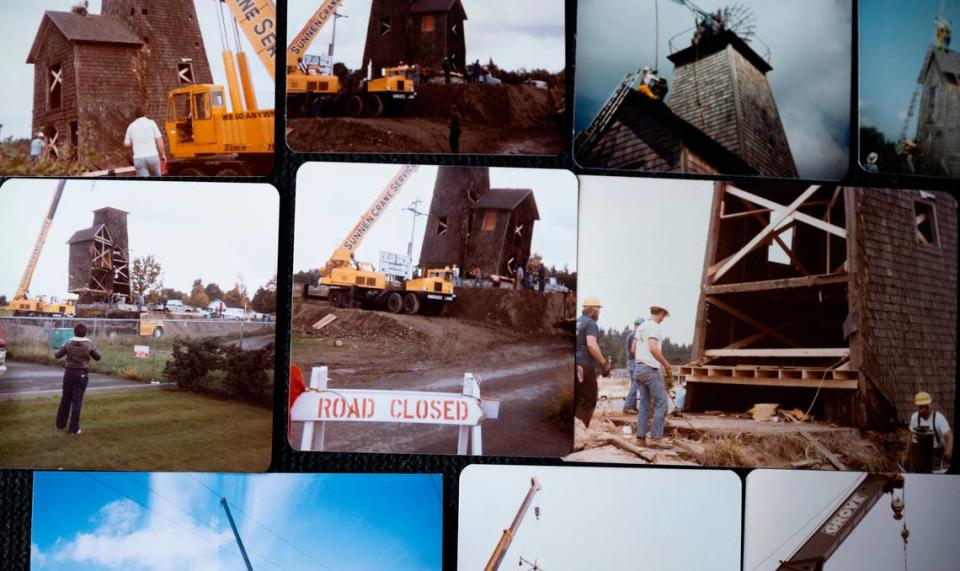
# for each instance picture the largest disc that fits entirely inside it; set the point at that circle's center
(630, 402)
(650, 368)
(930, 443)
(588, 358)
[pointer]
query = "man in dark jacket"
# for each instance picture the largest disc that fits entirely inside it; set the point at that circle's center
(78, 351)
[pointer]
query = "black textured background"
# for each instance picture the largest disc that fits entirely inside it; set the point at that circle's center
(16, 485)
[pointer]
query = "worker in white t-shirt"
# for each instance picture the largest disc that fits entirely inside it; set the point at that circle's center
(147, 142)
(930, 443)
(649, 367)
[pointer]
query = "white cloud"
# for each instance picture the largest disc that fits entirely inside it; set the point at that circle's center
(37, 557)
(127, 537)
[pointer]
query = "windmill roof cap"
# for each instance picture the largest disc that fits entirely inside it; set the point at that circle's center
(716, 43)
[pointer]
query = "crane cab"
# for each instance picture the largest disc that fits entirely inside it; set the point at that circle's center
(198, 124)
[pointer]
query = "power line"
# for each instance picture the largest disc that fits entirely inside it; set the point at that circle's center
(831, 503)
(270, 531)
(194, 517)
(148, 508)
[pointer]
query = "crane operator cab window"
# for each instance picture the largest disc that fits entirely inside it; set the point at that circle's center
(179, 113)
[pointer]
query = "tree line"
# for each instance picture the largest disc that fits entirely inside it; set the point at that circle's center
(613, 344)
(146, 280)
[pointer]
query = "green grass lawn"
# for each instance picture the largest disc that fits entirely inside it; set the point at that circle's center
(117, 358)
(155, 430)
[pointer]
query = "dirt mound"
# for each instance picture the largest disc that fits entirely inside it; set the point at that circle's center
(349, 322)
(520, 106)
(343, 134)
(518, 310)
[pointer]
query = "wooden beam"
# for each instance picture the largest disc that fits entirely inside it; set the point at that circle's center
(745, 213)
(785, 283)
(845, 384)
(837, 463)
(773, 352)
(750, 320)
(751, 339)
(776, 220)
(805, 218)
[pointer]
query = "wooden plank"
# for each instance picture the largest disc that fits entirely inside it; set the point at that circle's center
(750, 321)
(830, 456)
(327, 320)
(828, 352)
(620, 442)
(782, 215)
(786, 283)
(764, 382)
(806, 218)
(791, 374)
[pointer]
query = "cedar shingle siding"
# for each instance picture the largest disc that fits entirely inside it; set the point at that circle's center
(720, 112)
(111, 63)
(909, 290)
(397, 33)
(462, 199)
(938, 126)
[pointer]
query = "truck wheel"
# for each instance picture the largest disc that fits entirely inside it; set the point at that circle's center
(373, 105)
(353, 106)
(336, 298)
(158, 332)
(394, 302)
(347, 300)
(411, 304)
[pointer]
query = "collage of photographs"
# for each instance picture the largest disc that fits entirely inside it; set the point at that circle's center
(425, 285)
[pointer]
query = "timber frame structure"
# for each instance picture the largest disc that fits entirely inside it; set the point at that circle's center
(835, 299)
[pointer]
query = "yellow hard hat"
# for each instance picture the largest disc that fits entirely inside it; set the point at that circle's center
(922, 397)
(592, 301)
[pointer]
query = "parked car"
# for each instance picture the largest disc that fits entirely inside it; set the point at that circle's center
(3, 352)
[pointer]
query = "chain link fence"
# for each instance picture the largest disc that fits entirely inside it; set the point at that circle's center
(131, 348)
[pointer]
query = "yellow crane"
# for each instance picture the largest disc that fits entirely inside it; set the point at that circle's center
(207, 138)
(350, 283)
(313, 89)
(22, 303)
(496, 558)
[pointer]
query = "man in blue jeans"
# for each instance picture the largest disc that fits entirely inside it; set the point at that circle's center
(78, 351)
(145, 138)
(630, 403)
(648, 369)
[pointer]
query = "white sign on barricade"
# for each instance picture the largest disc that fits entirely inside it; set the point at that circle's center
(141, 351)
(321, 404)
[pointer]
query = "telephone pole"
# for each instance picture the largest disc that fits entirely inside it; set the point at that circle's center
(226, 508)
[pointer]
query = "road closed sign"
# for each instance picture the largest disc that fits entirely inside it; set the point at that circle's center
(387, 406)
(141, 351)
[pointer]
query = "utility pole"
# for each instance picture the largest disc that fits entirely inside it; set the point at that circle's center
(226, 508)
(413, 208)
(333, 40)
(508, 534)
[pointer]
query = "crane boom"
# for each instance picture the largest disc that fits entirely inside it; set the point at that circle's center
(38, 245)
(496, 558)
(258, 20)
(371, 216)
(301, 43)
(813, 554)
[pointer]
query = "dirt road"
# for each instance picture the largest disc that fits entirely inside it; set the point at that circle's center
(521, 430)
(526, 370)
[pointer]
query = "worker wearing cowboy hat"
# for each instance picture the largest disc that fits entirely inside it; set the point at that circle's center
(649, 368)
(930, 442)
(588, 358)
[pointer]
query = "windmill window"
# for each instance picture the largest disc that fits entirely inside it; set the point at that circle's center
(952, 78)
(925, 219)
(427, 24)
(55, 86)
(185, 72)
(384, 26)
(441, 225)
(489, 222)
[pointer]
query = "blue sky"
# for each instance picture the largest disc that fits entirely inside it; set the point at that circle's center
(784, 507)
(811, 55)
(894, 37)
(351, 522)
